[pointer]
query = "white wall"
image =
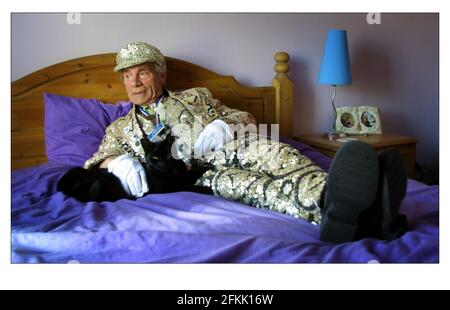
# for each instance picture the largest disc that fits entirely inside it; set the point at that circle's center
(394, 64)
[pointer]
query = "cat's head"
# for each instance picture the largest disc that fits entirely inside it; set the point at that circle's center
(158, 156)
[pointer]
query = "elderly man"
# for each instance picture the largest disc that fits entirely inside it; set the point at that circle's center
(255, 171)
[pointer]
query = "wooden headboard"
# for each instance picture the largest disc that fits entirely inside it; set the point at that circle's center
(93, 77)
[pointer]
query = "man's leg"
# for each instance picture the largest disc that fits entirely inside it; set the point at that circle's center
(361, 198)
(282, 179)
(260, 191)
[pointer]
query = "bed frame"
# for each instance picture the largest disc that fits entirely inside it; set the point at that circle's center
(93, 77)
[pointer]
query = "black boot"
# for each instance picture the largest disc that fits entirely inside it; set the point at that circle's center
(351, 188)
(382, 220)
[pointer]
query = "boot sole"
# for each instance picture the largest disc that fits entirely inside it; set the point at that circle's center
(393, 189)
(352, 186)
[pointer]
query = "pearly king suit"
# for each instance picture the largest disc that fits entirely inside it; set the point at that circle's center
(250, 169)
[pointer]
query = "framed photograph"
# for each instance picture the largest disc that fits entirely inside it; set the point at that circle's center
(347, 120)
(369, 120)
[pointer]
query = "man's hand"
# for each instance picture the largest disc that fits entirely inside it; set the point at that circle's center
(131, 174)
(213, 137)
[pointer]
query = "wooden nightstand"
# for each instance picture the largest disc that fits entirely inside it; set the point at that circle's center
(406, 146)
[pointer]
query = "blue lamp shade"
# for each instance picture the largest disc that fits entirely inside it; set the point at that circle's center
(335, 66)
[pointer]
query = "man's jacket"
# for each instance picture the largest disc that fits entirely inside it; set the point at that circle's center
(184, 114)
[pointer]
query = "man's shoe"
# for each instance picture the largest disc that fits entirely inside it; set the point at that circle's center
(351, 188)
(382, 220)
(393, 189)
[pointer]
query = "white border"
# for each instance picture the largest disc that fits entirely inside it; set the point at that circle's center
(219, 276)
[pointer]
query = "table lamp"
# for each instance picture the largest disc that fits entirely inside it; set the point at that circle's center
(335, 67)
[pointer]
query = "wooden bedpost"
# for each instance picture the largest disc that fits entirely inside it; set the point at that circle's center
(284, 90)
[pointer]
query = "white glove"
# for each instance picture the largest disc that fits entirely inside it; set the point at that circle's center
(131, 174)
(213, 137)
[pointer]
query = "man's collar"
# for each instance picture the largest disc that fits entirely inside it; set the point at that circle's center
(155, 103)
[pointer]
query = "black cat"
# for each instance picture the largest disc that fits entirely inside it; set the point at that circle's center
(91, 185)
(165, 174)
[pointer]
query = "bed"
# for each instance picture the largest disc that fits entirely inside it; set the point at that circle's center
(184, 227)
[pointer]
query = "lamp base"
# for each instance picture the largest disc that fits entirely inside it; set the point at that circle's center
(333, 135)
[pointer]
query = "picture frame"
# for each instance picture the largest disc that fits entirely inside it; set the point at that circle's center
(347, 120)
(369, 120)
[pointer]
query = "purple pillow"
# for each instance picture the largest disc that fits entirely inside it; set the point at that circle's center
(74, 127)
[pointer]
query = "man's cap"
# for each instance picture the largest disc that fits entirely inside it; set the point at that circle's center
(137, 53)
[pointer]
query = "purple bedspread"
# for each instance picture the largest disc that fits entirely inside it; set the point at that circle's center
(48, 227)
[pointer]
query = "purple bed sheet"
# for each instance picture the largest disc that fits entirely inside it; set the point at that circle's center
(49, 227)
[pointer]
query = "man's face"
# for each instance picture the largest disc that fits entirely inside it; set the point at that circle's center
(143, 83)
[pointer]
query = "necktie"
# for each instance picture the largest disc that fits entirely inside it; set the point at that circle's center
(148, 109)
